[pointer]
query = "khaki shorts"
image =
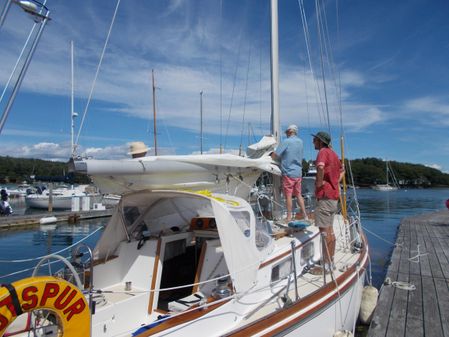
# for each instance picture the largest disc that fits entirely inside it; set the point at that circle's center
(324, 212)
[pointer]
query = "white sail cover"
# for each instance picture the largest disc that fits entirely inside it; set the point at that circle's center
(224, 173)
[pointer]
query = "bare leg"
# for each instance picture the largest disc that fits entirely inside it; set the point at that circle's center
(300, 201)
(288, 202)
(328, 244)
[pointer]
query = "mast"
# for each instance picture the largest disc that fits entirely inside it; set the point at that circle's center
(201, 122)
(386, 170)
(154, 114)
(275, 120)
(73, 114)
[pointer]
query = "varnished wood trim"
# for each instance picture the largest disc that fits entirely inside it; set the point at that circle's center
(279, 257)
(183, 318)
(267, 321)
(199, 269)
(154, 276)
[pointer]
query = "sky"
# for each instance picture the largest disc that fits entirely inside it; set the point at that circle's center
(383, 64)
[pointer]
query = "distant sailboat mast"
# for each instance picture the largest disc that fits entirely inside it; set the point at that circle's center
(201, 122)
(73, 114)
(154, 114)
(386, 171)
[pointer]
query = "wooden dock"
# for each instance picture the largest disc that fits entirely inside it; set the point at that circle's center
(424, 311)
(23, 221)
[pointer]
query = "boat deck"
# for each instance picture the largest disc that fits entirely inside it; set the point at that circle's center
(420, 258)
(307, 283)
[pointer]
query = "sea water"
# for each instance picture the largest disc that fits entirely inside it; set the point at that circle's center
(381, 215)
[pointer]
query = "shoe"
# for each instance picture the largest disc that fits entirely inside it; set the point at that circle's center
(318, 270)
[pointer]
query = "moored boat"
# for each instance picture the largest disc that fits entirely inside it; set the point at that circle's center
(170, 263)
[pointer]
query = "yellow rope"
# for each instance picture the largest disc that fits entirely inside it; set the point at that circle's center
(209, 194)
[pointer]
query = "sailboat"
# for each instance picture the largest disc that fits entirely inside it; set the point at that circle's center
(184, 254)
(393, 186)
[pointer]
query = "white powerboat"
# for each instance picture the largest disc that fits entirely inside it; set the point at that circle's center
(61, 197)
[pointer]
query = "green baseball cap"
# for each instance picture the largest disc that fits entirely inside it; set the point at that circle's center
(323, 136)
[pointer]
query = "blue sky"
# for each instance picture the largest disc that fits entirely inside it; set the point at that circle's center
(390, 59)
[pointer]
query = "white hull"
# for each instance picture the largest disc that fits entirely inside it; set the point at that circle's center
(42, 202)
(384, 188)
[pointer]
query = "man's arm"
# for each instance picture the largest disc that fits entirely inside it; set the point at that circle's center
(319, 179)
(342, 174)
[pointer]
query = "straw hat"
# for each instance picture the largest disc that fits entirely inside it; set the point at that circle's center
(137, 147)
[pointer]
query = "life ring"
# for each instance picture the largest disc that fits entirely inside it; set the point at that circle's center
(63, 298)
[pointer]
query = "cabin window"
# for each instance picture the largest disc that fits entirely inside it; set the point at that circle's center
(281, 270)
(243, 221)
(130, 213)
(263, 231)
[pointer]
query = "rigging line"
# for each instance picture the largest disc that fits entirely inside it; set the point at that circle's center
(27, 269)
(21, 54)
(328, 48)
(332, 65)
(244, 101)
(261, 40)
(96, 75)
(17, 62)
(323, 75)
(309, 57)
(221, 80)
(318, 96)
(260, 87)
(58, 252)
(233, 88)
(339, 75)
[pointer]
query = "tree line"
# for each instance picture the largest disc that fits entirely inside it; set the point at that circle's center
(18, 170)
(370, 171)
(366, 172)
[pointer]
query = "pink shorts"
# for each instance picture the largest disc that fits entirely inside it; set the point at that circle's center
(291, 186)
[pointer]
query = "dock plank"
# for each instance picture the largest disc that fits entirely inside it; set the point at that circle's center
(398, 313)
(434, 263)
(442, 291)
(431, 312)
(380, 320)
(415, 319)
(425, 310)
(414, 266)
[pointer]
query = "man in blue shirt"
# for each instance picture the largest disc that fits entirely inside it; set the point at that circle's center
(290, 154)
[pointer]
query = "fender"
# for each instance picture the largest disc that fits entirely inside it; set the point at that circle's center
(46, 292)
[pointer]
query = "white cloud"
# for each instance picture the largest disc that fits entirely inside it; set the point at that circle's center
(180, 42)
(430, 109)
(435, 166)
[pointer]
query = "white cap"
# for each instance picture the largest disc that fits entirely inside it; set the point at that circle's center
(292, 127)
